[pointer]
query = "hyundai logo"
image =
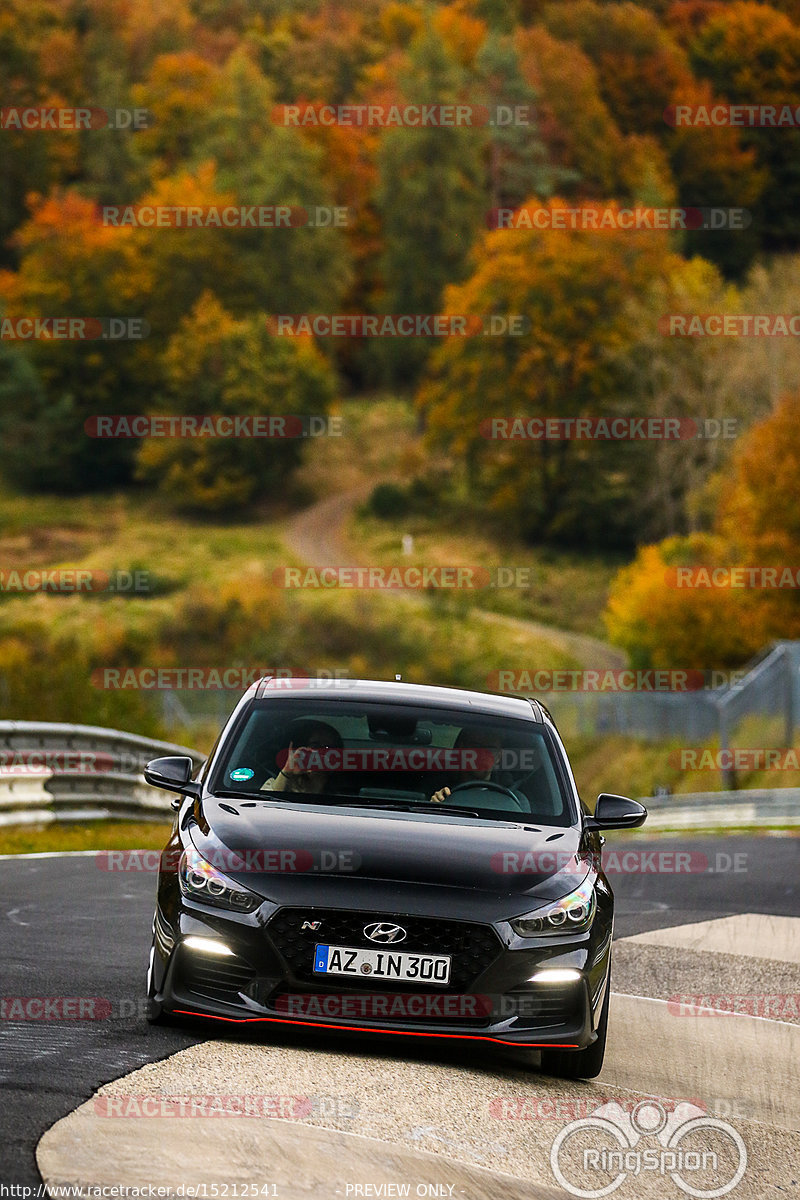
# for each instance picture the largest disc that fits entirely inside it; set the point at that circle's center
(381, 931)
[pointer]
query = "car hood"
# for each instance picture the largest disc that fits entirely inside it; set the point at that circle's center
(277, 844)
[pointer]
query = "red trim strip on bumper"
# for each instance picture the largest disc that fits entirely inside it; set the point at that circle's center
(474, 1037)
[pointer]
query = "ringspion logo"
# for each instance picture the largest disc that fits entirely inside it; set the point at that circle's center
(702, 1155)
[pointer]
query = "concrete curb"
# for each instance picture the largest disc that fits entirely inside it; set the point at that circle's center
(286, 1160)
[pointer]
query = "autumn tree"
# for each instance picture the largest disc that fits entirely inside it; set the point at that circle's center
(218, 365)
(573, 289)
(693, 379)
(179, 91)
(756, 526)
(662, 625)
(758, 514)
(72, 267)
(750, 53)
(643, 73)
(639, 66)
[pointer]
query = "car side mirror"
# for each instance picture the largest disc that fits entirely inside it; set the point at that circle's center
(174, 774)
(616, 812)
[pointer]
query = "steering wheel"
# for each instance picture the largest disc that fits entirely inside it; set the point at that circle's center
(487, 783)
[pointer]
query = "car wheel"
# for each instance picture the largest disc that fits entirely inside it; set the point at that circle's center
(580, 1064)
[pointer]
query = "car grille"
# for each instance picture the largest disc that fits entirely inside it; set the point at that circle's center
(472, 947)
(220, 981)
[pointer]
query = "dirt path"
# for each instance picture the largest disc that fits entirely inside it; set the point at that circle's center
(318, 536)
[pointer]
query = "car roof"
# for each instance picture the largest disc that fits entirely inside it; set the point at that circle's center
(395, 692)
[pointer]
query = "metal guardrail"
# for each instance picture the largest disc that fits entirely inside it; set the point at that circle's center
(53, 771)
(767, 808)
(62, 772)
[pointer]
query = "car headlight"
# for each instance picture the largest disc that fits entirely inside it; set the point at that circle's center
(572, 914)
(200, 881)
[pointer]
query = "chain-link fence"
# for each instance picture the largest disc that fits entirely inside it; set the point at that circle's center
(759, 709)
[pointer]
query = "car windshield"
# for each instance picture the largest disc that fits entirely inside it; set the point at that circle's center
(396, 756)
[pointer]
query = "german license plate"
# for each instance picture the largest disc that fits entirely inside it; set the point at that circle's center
(382, 964)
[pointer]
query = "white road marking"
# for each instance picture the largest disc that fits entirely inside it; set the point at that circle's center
(12, 915)
(747, 935)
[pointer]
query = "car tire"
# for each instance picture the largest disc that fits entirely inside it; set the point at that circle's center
(154, 1010)
(581, 1064)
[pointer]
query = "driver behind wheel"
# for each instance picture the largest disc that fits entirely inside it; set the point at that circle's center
(473, 739)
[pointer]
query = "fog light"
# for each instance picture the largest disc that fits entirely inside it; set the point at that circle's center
(207, 945)
(556, 975)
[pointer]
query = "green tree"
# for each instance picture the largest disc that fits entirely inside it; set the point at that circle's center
(431, 200)
(518, 158)
(28, 158)
(260, 163)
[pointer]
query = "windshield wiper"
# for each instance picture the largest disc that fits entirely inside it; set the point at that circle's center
(412, 806)
(360, 802)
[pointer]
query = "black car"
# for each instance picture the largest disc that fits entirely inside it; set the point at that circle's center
(389, 857)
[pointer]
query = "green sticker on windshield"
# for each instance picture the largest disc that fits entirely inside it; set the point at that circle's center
(242, 774)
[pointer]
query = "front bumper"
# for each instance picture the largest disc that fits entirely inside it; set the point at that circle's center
(264, 980)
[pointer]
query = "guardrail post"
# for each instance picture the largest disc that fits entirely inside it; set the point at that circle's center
(727, 772)
(791, 666)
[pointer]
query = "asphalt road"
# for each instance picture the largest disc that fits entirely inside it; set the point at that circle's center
(72, 930)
